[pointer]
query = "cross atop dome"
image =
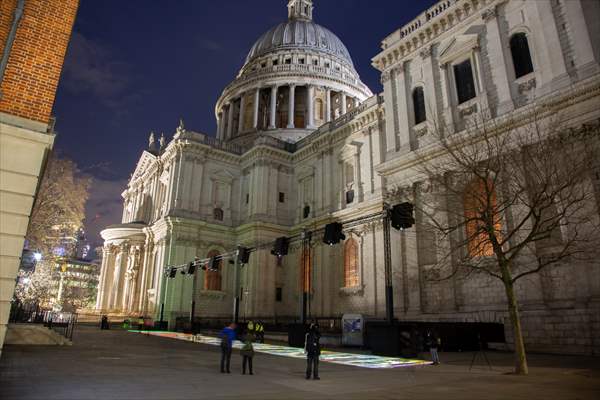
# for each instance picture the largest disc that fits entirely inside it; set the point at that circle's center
(300, 10)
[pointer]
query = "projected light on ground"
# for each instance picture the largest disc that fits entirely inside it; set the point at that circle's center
(356, 360)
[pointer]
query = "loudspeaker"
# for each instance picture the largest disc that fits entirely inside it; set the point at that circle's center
(280, 248)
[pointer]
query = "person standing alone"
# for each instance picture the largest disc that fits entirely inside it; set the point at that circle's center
(312, 349)
(227, 336)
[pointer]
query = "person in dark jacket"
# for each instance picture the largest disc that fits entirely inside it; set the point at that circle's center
(432, 341)
(247, 353)
(312, 349)
(227, 336)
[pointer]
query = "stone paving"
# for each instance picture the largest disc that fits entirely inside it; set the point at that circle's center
(121, 365)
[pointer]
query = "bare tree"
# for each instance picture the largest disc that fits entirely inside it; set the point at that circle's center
(59, 209)
(508, 199)
(56, 217)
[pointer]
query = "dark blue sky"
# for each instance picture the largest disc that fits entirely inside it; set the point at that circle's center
(139, 65)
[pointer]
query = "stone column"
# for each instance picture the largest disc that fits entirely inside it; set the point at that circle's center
(242, 111)
(328, 105)
(291, 107)
(402, 100)
(344, 106)
(101, 298)
(220, 127)
(229, 133)
(256, 101)
(273, 107)
(144, 269)
(497, 57)
(311, 106)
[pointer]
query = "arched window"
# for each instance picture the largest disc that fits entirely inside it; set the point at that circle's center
(305, 270)
(351, 263)
(419, 105)
(218, 214)
(519, 49)
(212, 279)
(479, 203)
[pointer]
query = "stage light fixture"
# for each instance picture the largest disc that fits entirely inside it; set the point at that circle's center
(333, 233)
(280, 248)
(402, 216)
(243, 255)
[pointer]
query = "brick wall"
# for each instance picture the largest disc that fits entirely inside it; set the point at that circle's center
(37, 55)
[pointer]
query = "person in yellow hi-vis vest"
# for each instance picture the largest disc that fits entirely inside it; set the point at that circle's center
(260, 332)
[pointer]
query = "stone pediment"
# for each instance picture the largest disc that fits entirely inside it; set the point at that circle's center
(457, 46)
(145, 162)
(222, 176)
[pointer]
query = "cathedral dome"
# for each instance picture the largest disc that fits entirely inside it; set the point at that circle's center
(298, 76)
(300, 34)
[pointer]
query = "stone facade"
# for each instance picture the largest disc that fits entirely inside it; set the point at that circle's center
(34, 35)
(198, 195)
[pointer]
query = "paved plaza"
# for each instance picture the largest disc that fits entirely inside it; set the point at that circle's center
(122, 365)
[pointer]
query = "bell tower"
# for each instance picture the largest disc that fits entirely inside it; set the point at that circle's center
(300, 10)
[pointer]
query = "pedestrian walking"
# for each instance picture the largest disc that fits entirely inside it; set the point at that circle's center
(247, 353)
(312, 349)
(433, 341)
(227, 336)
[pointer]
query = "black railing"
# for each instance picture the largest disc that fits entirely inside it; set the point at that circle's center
(61, 322)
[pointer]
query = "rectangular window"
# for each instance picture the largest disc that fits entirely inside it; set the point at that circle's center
(275, 62)
(247, 198)
(301, 61)
(281, 197)
(278, 294)
(465, 85)
(288, 60)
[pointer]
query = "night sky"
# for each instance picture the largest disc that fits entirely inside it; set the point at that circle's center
(137, 66)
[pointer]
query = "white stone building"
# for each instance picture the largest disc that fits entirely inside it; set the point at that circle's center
(302, 142)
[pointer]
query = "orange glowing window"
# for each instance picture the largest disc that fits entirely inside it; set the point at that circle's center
(350, 263)
(477, 205)
(305, 270)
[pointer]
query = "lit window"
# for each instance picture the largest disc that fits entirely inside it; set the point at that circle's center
(351, 263)
(519, 49)
(419, 105)
(478, 205)
(465, 85)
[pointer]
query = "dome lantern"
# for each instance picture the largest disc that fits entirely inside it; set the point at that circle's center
(301, 10)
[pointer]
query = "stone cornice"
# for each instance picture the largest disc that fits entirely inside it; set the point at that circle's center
(544, 107)
(424, 30)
